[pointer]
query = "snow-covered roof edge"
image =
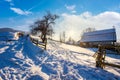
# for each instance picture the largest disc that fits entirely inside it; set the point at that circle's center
(100, 36)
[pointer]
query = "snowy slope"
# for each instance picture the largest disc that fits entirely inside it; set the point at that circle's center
(19, 60)
(80, 63)
(4, 36)
(110, 58)
(22, 60)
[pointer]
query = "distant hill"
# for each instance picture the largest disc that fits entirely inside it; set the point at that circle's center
(9, 30)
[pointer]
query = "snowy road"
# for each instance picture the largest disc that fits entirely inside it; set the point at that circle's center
(21, 60)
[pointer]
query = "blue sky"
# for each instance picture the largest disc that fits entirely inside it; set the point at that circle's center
(94, 6)
(75, 15)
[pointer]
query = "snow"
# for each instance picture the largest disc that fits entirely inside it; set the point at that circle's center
(5, 36)
(2, 50)
(22, 60)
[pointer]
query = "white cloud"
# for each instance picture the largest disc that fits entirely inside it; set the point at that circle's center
(24, 24)
(74, 24)
(19, 11)
(22, 27)
(71, 8)
(73, 11)
(8, 0)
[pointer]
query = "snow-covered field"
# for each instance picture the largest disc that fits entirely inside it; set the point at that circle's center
(22, 60)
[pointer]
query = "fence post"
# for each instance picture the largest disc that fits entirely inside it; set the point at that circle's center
(100, 57)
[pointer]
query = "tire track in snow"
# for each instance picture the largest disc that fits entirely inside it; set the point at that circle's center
(43, 61)
(69, 55)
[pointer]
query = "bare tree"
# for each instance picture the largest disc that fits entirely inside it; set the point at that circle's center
(70, 39)
(44, 26)
(64, 35)
(60, 37)
(89, 29)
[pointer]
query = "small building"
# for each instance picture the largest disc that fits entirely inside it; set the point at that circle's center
(103, 37)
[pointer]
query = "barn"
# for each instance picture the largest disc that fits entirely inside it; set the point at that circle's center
(103, 37)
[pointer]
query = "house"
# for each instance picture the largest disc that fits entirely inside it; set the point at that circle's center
(103, 37)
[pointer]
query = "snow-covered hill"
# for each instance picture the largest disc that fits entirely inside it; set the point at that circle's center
(22, 60)
(9, 30)
(7, 34)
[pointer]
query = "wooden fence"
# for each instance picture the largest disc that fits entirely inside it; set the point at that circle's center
(39, 43)
(100, 58)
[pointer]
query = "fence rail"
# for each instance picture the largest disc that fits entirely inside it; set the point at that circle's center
(100, 58)
(39, 43)
(113, 65)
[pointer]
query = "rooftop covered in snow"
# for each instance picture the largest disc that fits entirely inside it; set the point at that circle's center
(108, 35)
